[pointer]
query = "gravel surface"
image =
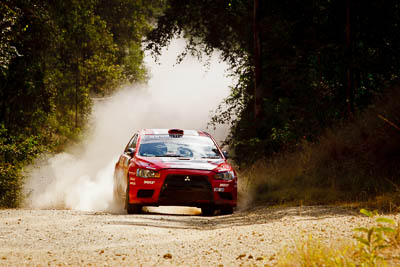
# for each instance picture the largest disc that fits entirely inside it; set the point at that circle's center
(249, 237)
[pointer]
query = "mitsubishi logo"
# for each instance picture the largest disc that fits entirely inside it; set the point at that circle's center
(187, 179)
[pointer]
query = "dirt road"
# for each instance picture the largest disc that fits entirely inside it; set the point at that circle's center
(254, 236)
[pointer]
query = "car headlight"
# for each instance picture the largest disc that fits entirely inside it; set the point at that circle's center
(225, 175)
(145, 173)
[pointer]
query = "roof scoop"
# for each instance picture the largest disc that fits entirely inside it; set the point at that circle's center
(175, 132)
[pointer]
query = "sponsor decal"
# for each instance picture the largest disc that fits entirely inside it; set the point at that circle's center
(223, 185)
(148, 182)
(153, 136)
(219, 189)
(132, 183)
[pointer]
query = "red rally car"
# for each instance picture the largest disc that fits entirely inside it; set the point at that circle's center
(175, 167)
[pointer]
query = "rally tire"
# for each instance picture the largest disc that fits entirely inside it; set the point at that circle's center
(225, 210)
(208, 210)
(131, 208)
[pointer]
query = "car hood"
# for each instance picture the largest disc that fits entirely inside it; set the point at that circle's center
(180, 163)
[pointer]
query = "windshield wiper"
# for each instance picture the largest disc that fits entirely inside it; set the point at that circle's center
(211, 157)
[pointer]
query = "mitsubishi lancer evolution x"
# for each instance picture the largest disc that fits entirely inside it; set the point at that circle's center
(174, 167)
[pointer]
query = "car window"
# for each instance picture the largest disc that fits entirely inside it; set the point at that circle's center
(183, 146)
(132, 142)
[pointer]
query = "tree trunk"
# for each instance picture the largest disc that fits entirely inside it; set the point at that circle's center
(4, 115)
(257, 62)
(76, 91)
(349, 61)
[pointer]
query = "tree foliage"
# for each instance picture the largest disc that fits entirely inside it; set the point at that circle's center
(55, 56)
(304, 57)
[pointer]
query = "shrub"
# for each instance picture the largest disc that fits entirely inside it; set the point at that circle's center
(376, 245)
(357, 161)
(15, 153)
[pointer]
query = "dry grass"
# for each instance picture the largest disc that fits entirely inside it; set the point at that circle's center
(313, 252)
(378, 245)
(357, 162)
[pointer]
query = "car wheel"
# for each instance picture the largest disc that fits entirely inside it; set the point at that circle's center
(131, 208)
(225, 210)
(207, 210)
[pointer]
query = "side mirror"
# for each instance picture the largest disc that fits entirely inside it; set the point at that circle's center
(131, 151)
(225, 154)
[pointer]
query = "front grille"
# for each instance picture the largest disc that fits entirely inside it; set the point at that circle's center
(143, 193)
(225, 195)
(186, 189)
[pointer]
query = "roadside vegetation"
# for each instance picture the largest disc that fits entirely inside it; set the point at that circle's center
(356, 162)
(376, 245)
(55, 57)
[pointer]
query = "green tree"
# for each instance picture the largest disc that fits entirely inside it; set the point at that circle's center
(308, 72)
(54, 57)
(8, 19)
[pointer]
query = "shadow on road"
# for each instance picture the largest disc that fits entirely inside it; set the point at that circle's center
(256, 215)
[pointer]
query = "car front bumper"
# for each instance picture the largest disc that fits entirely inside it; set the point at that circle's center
(182, 187)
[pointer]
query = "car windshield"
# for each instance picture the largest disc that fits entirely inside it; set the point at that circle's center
(164, 145)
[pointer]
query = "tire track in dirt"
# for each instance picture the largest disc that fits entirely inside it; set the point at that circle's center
(248, 237)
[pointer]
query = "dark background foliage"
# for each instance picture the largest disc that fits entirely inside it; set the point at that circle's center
(55, 56)
(305, 57)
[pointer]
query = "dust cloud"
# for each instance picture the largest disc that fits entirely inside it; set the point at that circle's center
(176, 96)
